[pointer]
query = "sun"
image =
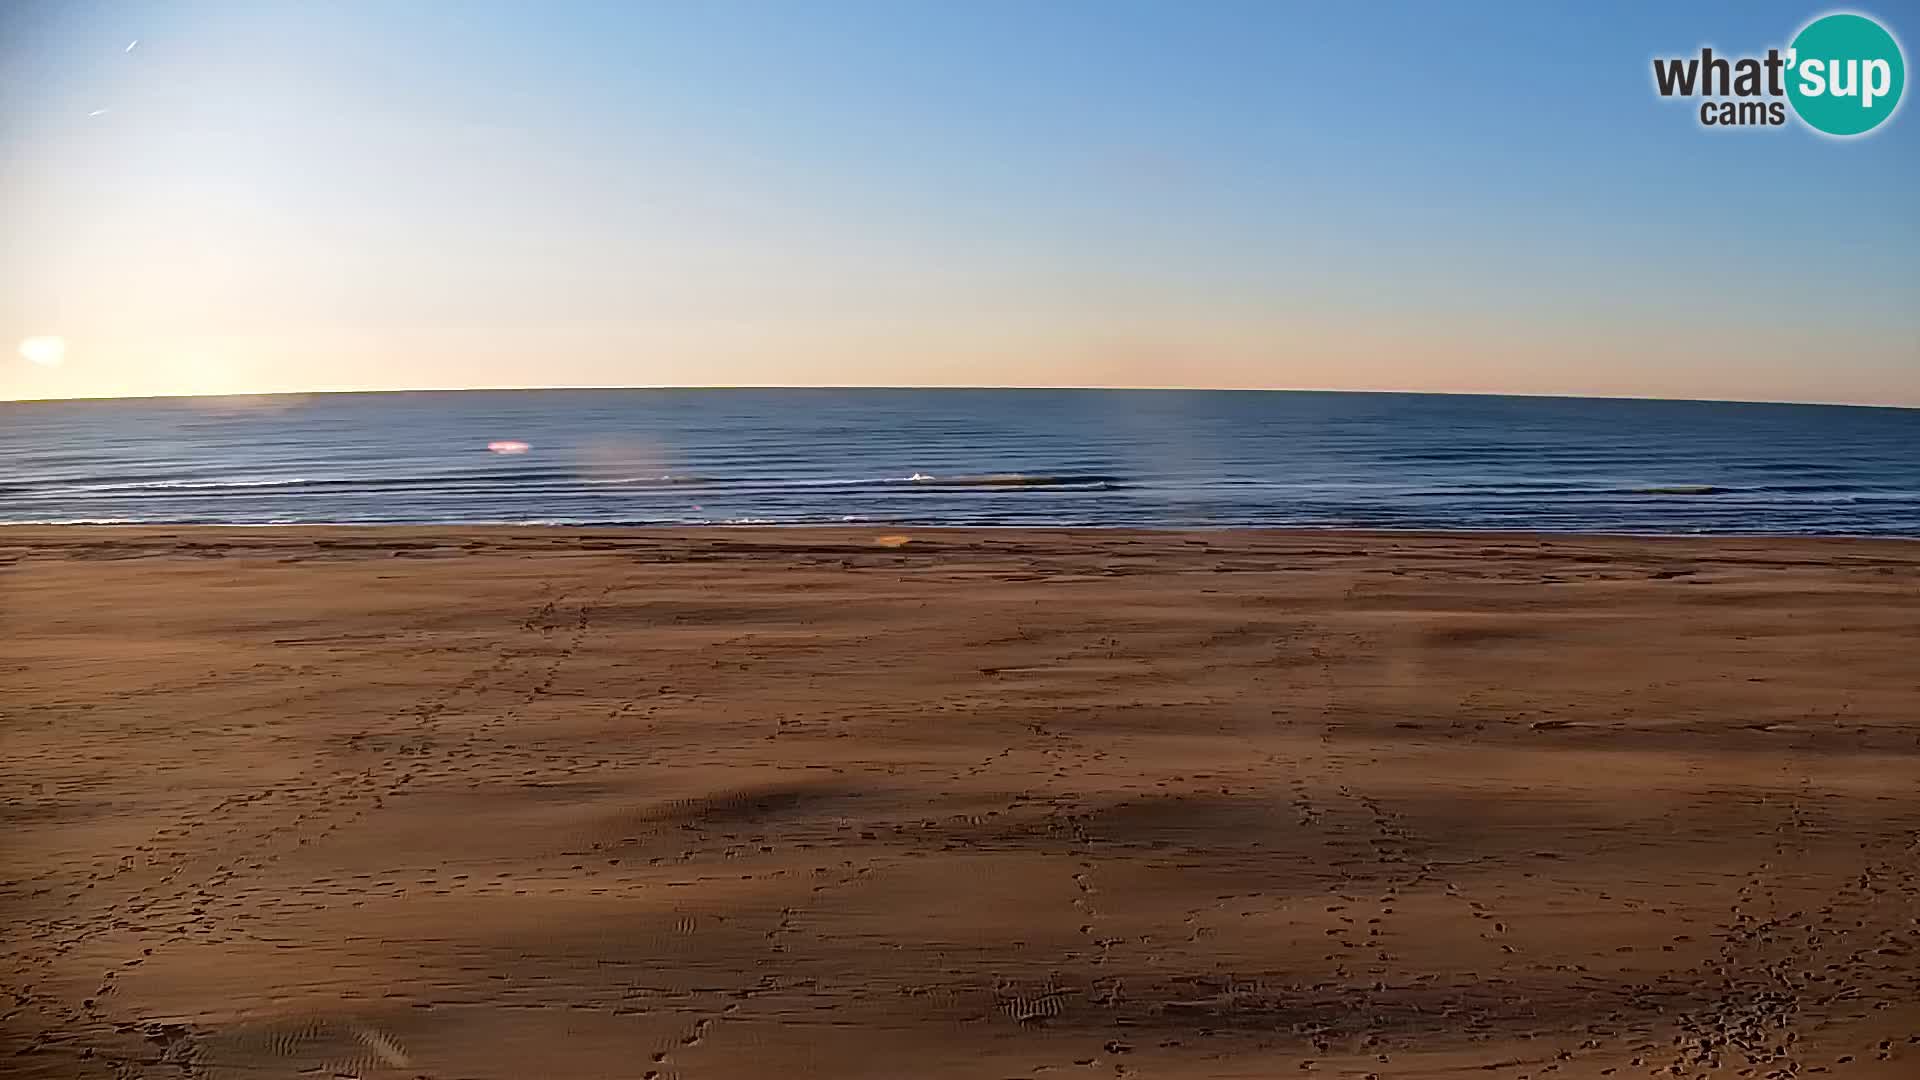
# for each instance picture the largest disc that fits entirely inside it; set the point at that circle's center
(47, 351)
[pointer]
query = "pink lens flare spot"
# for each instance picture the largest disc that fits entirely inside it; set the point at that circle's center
(508, 446)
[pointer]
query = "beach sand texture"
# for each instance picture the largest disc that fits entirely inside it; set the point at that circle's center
(947, 803)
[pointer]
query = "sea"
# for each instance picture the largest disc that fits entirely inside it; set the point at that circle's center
(967, 457)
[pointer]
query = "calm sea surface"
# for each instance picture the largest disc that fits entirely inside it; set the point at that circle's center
(997, 457)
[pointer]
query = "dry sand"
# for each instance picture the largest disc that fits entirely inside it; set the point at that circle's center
(496, 803)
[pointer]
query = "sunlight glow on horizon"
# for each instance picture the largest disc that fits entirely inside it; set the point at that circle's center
(46, 350)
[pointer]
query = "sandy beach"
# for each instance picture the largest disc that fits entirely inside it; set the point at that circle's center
(837, 803)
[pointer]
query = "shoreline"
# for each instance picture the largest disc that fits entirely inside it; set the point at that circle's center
(861, 529)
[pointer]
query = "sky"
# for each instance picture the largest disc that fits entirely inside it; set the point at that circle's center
(280, 197)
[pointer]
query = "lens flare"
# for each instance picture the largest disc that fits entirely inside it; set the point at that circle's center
(47, 351)
(624, 461)
(508, 446)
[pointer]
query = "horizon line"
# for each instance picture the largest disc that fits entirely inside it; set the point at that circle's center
(1144, 388)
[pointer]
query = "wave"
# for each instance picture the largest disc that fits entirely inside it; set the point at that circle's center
(514, 486)
(531, 479)
(372, 482)
(1015, 480)
(1816, 489)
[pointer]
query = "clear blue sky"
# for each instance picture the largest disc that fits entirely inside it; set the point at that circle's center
(1480, 197)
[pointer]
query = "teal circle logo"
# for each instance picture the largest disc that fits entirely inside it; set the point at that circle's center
(1845, 74)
